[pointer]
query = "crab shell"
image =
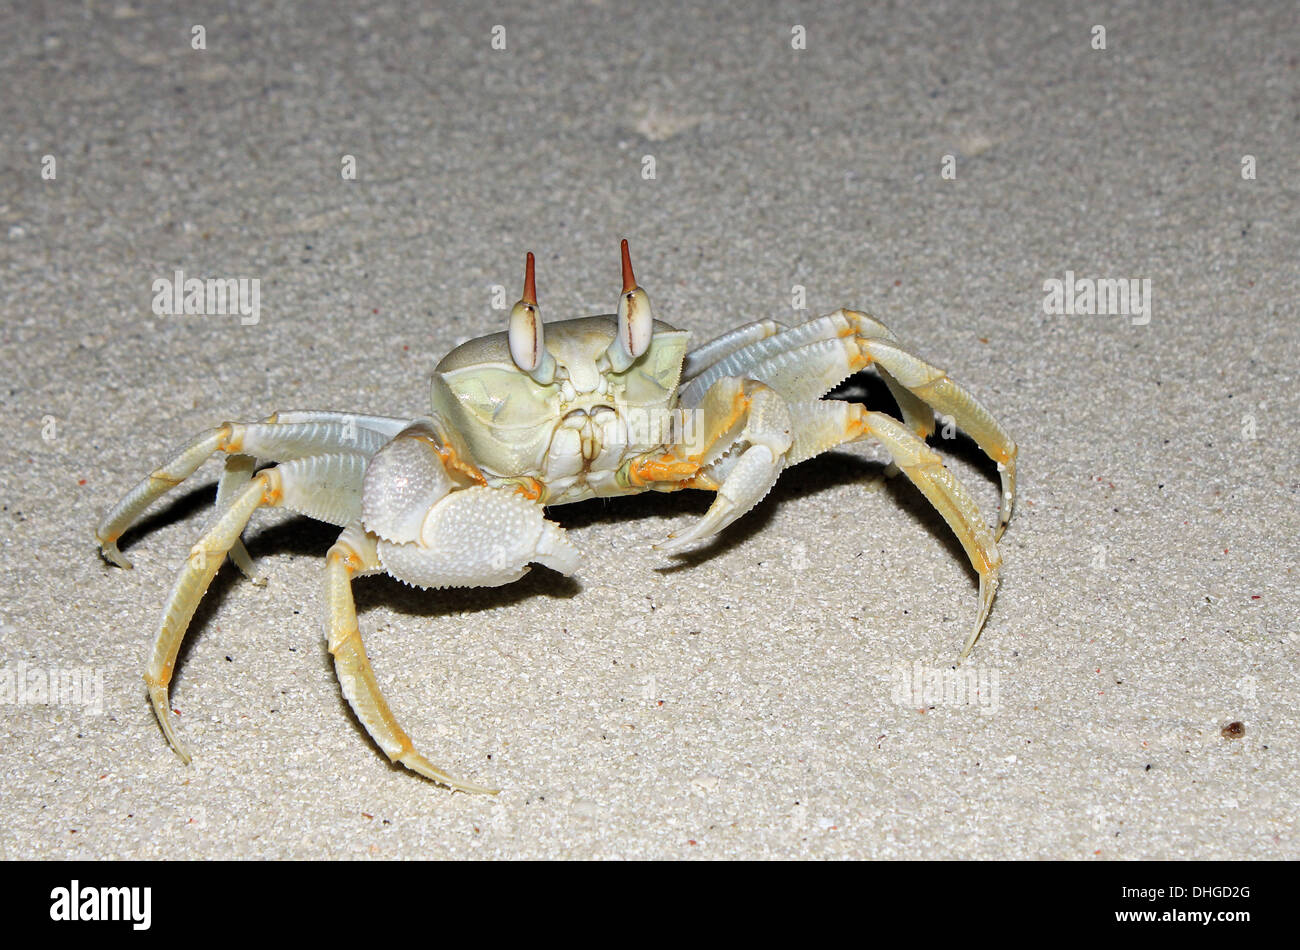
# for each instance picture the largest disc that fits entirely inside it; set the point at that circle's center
(510, 422)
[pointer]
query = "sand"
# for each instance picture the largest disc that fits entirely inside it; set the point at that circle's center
(788, 692)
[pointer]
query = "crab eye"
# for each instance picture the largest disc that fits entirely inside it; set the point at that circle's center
(526, 336)
(635, 319)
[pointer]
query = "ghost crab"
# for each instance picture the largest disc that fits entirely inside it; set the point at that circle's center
(595, 406)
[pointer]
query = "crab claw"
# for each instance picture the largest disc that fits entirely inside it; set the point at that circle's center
(526, 336)
(479, 537)
(635, 320)
(748, 465)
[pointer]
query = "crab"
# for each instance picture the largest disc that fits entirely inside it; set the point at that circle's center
(543, 415)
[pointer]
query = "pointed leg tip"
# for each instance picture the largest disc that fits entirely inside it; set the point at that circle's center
(162, 708)
(971, 640)
(418, 764)
(109, 552)
(469, 788)
(671, 546)
(181, 750)
(988, 590)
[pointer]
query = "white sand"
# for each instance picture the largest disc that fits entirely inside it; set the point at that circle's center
(1149, 593)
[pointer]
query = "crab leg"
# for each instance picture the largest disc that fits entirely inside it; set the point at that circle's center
(735, 411)
(326, 487)
(237, 473)
(947, 397)
(707, 354)
(826, 424)
(239, 468)
(835, 326)
(355, 554)
(284, 436)
(808, 361)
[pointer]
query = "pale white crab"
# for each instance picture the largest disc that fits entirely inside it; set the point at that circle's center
(595, 406)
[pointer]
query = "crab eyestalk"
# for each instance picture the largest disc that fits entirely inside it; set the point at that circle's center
(526, 336)
(635, 320)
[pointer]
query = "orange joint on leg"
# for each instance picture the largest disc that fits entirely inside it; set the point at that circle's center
(856, 425)
(350, 558)
(232, 439)
(273, 491)
(859, 358)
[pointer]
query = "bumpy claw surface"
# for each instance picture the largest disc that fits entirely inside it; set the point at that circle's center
(479, 537)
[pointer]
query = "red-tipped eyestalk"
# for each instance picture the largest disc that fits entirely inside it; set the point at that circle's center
(635, 320)
(526, 336)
